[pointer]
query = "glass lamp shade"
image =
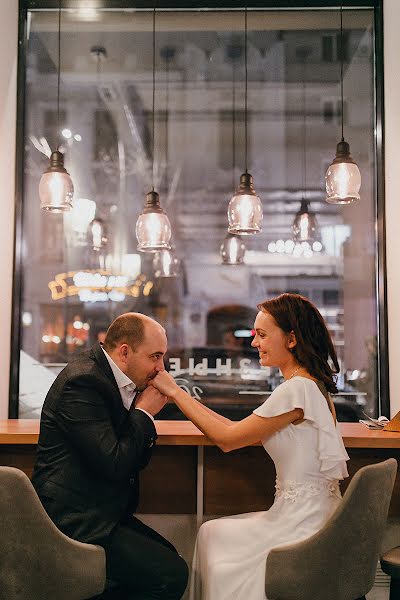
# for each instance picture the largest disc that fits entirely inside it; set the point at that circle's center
(232, 250)
(245, 209)
(131, 265)
(56, 188)
(305, 224)
(166, 264)
(79, 219)
(343, 178)
(153, 229)
(97, 235)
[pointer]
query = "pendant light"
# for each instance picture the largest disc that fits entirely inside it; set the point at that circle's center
(245, 208)
(79, 218)
(233, 249)
(97, 235)
(166, 264)
(97, 231)
(153, 229)
(305, 225)
(343, 178)
(56, 188)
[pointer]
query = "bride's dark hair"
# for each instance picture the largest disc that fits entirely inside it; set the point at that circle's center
(314, 347)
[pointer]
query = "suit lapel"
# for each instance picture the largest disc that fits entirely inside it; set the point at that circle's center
(97, 354)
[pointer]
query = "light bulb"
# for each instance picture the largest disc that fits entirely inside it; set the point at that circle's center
(280, 246)
(56, 188)
(317, 246)
(98, 234)
(232, 250)
(166, 264)
(343, 178)
(245, 209)
(304, 225)
(81, 215)
(153, 229)
(131, 265)
(289, 246)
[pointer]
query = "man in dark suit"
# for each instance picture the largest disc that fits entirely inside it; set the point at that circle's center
(96, 434)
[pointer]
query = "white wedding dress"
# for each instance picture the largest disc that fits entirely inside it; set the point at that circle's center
(230, 555)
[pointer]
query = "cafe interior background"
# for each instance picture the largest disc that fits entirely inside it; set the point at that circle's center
(64, 278)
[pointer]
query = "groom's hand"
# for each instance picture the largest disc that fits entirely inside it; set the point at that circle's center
(151, 400)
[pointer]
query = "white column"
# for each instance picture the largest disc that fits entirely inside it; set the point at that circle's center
(8, 100)
(391, 16)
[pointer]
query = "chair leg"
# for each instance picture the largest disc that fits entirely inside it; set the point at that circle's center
(394, 589)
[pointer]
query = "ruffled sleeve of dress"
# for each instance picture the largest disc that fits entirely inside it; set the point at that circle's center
(304, 393)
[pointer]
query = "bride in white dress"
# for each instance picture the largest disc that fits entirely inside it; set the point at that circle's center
(297, 427)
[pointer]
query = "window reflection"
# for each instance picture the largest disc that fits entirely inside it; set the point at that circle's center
(208, 308)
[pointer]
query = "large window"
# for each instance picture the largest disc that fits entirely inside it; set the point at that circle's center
(71, 291)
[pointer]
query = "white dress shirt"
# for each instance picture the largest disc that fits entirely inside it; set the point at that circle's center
(126, 387)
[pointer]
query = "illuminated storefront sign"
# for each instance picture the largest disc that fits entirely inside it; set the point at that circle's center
(98, 286)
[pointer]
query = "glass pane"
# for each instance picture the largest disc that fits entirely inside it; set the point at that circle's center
(74, 287)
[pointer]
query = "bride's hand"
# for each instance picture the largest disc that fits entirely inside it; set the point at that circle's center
(165, 383)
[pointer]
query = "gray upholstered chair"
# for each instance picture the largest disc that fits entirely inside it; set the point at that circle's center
(339, 562)
(390, 564)
(37, 561)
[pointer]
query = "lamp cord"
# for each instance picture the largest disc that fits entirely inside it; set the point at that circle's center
(341, 64)
(245, 87)
(233, 124)
(98, 79)
(166, 126)
(304, 165)
(58, 77)
(154, 90)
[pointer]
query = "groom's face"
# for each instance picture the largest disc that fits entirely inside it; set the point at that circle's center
(148, 358)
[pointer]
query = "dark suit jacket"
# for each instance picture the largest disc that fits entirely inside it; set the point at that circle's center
(90, 450)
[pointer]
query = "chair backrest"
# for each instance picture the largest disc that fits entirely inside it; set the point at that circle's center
(338, 562)
(36, 560)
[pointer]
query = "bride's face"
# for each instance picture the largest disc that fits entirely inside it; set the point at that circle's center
(271, 342)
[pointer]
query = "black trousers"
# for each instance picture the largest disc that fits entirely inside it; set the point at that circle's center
(143, 564)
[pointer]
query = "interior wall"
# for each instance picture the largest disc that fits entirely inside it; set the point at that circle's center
(8, 97)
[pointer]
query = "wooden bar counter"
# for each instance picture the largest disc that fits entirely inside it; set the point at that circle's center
(189, 475)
